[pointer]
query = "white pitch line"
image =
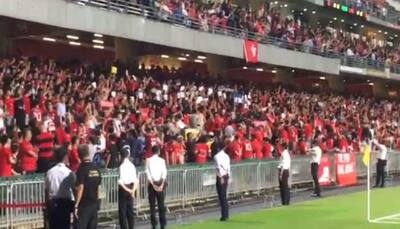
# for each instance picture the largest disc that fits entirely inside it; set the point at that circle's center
(384, 222)
(386, 217)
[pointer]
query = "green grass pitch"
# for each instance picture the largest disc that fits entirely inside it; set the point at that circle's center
(338, 212)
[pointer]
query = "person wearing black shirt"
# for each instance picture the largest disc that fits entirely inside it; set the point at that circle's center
(87, 191)
(20, 115)
(113, 159)
(190, 144)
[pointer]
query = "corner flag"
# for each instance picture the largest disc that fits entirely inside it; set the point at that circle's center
(367, 152)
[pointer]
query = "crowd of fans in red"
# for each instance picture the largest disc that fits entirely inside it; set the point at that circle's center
(44, 104)
(269, 24)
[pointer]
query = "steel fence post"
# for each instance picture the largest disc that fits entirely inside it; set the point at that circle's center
(258, 178)
(184, 194)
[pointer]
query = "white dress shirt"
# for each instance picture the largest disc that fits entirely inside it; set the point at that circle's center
(222, 163)
(127, 173)
(285, 160)
(156, 169)
(316, 153)
(60, 182)
(382, 154)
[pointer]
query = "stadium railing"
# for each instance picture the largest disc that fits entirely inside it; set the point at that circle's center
(391, 15)
(158, 14)
(22, 198)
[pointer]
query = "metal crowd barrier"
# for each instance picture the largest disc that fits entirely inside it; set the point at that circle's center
(22, 198)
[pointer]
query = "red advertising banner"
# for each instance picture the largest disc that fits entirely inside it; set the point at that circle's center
(324, 171)
(345, 164)
(250, 50)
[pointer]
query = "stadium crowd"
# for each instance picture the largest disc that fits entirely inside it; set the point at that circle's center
(270, 24)
(44, 104)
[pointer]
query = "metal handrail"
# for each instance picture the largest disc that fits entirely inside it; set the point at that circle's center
(158, 14)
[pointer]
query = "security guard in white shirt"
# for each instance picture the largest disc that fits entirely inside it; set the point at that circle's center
(381, 164)
(59, 185)
(315, 153)
(127, 185)
(156, 171)
(284, 169)
(223, 166)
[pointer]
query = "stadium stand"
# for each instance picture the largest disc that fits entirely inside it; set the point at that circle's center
(189, 110)
(158, 106)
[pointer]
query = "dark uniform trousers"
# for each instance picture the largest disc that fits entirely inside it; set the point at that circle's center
(222, 196)
(159, 197)
(59, 213)
(284, 187)
(87, 216)
(314, 174)
(380, 172)
(125, 208)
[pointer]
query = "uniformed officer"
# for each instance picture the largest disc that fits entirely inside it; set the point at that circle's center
(59, 185)
(156, 171)
(284, 169)
(127, 183)
(381, 164)
(223, 166)
(87, 191)
(315, 153)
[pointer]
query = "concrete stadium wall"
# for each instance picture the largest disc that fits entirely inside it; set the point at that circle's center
(69, 15)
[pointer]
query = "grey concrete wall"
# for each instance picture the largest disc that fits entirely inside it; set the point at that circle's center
(69, 15)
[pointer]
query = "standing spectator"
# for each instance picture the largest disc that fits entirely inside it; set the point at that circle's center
(223, 166)
(87, 191)
(201, 151)
(59, 185)
(156, 171)
(19, 111)
(27, 154)
(73, 155)
(284, 168)
(316, 153)
(127, 185)
(44, 142)
(61, 108)
(190, 148)
(113, 159)
(6, 157)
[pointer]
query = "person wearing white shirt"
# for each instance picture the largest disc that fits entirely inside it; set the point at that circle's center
(59, 186)
(381, 164)
(223, 166)
(156, 171)
(316, 154)
(284, 168)
(127, 185)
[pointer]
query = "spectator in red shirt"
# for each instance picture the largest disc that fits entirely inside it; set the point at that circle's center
(27, 154)
(201, 150)
(73, 156)
(256, 145)
(235, 149)
(302, 147)
(267, 149)
(179, 150)
(44, 142)
(6, 158)
(247, 149)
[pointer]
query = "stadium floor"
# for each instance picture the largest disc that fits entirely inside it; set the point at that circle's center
(336, 212)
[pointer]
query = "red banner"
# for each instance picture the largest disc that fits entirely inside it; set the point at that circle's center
(324, 171)
(345, 164)
(250, 50)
